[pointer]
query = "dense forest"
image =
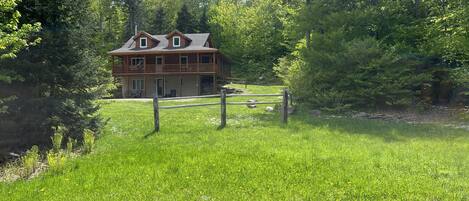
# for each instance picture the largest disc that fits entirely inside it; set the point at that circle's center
(332, 54)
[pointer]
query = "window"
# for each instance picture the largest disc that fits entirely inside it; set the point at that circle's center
(176, 41)
(159, 60)
(137, 63)
(184, 59)
(143, 42)
(137, 84)
(205, 59)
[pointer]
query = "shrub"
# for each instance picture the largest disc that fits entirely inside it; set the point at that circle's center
(55, 160)
(30, 161)
(88, 140)
(70, 145)
(337, 74)
(57, 139)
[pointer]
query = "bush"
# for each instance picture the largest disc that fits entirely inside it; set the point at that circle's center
(71, 145)
(56, 160)
(30, 161)
(57, 138)
(88, 141)
(335, 74)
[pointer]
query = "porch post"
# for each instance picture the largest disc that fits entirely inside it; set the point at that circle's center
(198, 61)
(213, 61)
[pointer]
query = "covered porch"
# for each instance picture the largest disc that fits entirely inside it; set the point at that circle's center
(147, 86)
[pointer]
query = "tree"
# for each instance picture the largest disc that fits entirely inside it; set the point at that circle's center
(61, 78)
(250, 34)
(12, 40)
(185, 20)
(203, 26)
(160, 23)
(135, 17)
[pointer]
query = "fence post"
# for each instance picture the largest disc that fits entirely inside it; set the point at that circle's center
(285, 107)
(156, 113)
(223, 108)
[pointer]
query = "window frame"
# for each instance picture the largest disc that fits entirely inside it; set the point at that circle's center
(156, 60)
(186, 58)
(179, 41)
(146, 42)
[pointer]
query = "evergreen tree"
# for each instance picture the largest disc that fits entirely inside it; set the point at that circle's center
(160, 24)
(12, 40)
(203, 23)
(185, 21)
(135, 17)
(60, 79)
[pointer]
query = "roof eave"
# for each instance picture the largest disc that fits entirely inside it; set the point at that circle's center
(113, 53)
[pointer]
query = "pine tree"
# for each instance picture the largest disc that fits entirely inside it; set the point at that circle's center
(135, 17)
(160, 24)
(61, 78)
(185, 21)
(203, 23)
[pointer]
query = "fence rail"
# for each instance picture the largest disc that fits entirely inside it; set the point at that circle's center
(284, 112)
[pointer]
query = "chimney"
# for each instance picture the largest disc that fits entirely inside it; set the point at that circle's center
(136, 29)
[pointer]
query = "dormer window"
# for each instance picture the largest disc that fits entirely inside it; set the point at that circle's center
(176, 41)
(143, 42)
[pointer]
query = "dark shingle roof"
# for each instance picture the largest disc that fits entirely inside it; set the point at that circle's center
(197, 44)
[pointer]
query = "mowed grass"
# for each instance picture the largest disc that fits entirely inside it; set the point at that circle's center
(257, 158)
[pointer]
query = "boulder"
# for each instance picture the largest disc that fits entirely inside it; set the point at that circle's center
(269, 109)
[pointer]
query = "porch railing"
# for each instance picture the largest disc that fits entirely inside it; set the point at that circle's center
(167, 68)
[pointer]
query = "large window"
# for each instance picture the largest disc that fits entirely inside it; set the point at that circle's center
(176, 41)
(137, 84)
(143, 42)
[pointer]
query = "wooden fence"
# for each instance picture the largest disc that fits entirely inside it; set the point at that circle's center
(223, 96)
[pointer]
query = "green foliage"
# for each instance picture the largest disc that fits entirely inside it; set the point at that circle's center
(14, 37)
(56, 161)
(185, 21)
(62, 77)
(375, 53)
(30, 161)
(88, 140)
(203, 26)
(57, 138)
(249, 34)
(160, 23)
(71, 143)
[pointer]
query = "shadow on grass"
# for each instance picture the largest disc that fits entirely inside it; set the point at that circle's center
(387, 130)
(149, 134)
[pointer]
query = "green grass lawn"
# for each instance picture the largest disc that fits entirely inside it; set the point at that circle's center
(257, 158)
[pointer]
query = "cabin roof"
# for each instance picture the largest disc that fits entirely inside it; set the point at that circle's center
(197, 44)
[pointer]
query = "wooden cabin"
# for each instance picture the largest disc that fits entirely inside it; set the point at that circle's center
(175, 64)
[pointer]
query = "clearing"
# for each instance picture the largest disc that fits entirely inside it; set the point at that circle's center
(257, 158)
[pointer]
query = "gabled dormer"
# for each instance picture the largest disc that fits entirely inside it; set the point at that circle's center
(144, 40)
(176, 39)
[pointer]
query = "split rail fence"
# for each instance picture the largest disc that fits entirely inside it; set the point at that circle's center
(223, 103)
